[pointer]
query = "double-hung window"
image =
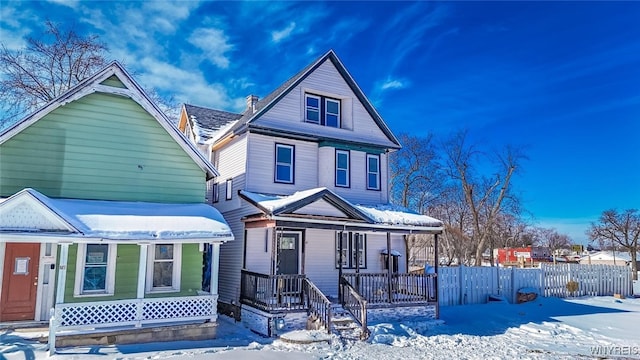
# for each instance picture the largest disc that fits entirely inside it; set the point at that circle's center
(163, 268)
(373, 172)
(351, 249)
(322, 110)
(229, 189)
(342, 168)
(284, 170)
(95, 272)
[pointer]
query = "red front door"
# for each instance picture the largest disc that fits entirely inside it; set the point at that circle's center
(20, 282)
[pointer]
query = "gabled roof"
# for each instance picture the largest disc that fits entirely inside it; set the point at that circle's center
(278, 205)
(207, 122)
(381, 215)
(270, 100)
(130, 90)
(120, 221)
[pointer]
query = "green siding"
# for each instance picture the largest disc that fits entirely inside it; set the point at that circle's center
(102, 147)
(114, 81)
(126, 277)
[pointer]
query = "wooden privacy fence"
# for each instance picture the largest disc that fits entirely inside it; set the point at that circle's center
(472, 285)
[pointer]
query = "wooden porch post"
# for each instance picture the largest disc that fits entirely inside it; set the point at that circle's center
(435, 280)
(142, 270)
(213, 287)
(215, 267)
(142, 277)
(339, 235)
(389, 269)
(60, 286)
(62, 272)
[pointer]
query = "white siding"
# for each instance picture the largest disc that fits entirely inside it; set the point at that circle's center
(321, 208)
(358, 125)
(231, 163)
(261, 162)
(357, 193)
(231, 256)
(259, 249)
(320, 257)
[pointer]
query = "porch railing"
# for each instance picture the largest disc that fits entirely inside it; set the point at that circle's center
(355, 304)
(272, 292)
(379, 289)
(319, 305)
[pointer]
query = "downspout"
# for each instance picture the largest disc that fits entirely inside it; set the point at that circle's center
(389, 270)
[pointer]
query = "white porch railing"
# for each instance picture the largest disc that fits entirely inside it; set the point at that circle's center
(135, 312)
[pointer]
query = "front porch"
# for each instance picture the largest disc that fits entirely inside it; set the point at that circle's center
(276, 295)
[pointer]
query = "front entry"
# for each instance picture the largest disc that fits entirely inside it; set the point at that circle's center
(288, 253)
(20, 282)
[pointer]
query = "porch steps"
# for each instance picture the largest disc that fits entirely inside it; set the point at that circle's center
(343, 324)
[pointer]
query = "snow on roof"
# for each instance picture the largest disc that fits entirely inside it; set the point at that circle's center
(273, 202)
(137, 220)
(380, 214)
(394, 214)
(609, 256)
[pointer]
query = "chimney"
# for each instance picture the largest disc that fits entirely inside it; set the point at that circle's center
(252, 100)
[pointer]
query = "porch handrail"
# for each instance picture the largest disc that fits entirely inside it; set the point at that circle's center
(319, 306)
(272, 292)
(405, 288)
(354, 304)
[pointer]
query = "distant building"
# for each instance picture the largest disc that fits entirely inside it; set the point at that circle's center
(609, 258)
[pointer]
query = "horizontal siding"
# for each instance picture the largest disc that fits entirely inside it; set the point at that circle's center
(320, 257)
(358, 125)
(231, 256)
(357, 192)
(261, 160)
(126, 277)
(100, 147)
(259, 249)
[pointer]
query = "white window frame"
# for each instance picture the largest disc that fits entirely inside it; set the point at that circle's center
(177, 266)
(326, 112)
(378, 175)
(307, 108)
(347, 169)
(349, 250)
(111, 272)
(291, 164)
(229, 189)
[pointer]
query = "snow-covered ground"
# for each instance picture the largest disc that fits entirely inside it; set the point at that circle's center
(548, 328)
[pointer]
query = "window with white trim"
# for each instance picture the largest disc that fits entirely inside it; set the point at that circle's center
(285, 158)
(322, 110)
(95, 269)
(342, 168)
(163, 268)
(351, 248)
(373, 172)
(229, 189)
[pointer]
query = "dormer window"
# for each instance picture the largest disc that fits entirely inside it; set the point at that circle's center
(322, 110)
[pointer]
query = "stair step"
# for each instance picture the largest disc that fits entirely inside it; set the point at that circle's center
(342, 321)
(345, 328)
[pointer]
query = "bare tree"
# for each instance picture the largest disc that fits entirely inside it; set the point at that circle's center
(484, 195)
(619, 228)
(553, 240)
(415, 178)
(46, 68)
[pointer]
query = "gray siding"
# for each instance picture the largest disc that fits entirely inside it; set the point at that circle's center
(358, 125)
(261, 163)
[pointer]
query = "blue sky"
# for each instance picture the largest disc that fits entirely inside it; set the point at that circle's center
(560, 78)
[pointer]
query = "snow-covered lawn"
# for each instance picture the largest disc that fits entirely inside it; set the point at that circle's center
(548, 328)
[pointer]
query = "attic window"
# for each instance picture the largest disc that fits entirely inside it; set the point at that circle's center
(322, 110)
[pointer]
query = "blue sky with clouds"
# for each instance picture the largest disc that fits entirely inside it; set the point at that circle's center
(560, 78)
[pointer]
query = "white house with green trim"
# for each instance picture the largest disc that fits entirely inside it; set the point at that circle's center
(304, 186)
(103, 215)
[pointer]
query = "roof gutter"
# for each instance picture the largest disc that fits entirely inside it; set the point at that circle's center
(431, 229)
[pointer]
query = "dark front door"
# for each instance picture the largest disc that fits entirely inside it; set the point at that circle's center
(20, 282)
(288, 258)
